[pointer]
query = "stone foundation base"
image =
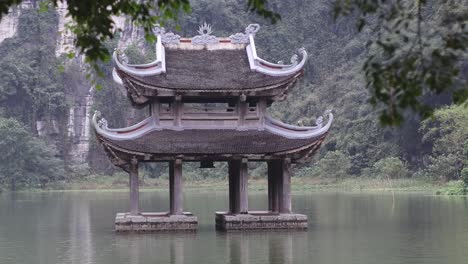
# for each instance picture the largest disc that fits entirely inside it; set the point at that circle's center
(155, 222)
(259, 220)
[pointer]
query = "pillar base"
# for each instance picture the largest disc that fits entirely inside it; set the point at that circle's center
(155, 222)
(260, 220)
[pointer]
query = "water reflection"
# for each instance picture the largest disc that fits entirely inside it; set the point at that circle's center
(53, 228)
(80, 248)
(246, 248)
(153, 248)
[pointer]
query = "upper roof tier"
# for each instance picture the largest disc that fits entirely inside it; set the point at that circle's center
(207, 66)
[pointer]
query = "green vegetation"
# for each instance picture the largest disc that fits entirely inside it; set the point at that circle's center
(416, 51)
(415, 48)
(119, 182)
(359, 152)
(25, 160)
(30, 85)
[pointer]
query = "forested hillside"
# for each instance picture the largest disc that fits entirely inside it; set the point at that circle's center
(35, 85)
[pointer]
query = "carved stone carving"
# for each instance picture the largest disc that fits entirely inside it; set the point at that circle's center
(294, 59)
(319, 121)
(205, 36)
(243, 38)
(170, 38)
(239, 38)
(166, 37)
(103, 123)
(122, 57)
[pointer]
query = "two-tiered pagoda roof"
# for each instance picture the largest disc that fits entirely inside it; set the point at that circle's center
(224, 72)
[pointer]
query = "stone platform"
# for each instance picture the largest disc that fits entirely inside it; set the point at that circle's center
(259, 220)
(155, 222)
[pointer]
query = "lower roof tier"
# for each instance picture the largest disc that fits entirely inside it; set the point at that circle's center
(147, 141)
(216, 142)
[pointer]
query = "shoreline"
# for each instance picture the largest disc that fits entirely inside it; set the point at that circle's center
(299, 184)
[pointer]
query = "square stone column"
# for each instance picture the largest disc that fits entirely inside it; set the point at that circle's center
(174, 220)
(279, 186)
(175, 187)
(274, 173)
(284, 187)
(238, 187)
(278, 216)
(134, 188)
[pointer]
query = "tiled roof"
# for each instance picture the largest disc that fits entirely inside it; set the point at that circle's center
(208, 70)
(212, 142)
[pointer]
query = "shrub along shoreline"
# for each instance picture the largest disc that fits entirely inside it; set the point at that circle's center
(119, 182)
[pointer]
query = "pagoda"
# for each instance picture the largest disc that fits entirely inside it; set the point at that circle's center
(207, 99)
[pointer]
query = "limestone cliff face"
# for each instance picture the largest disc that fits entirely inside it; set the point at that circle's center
(80, 111)
(9, 23)
(81, 95)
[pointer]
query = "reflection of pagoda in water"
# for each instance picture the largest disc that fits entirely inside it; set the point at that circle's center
(207, 99)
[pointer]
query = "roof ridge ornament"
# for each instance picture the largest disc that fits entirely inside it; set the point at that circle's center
(243, 38)
(205, 37)
(166, 37)
(121, 56)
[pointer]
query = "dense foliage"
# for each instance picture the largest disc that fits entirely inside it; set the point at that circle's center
(32, 92)
(416, 48)
(33, 89)
(30, 85)
(26, 160)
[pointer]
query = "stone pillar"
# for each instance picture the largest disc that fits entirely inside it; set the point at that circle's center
(175, 187)
(274, 169)
(279, 186)
(238, 187)
(134, 188)
(284, 187)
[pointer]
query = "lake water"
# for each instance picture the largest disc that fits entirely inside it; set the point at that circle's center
(76, 227)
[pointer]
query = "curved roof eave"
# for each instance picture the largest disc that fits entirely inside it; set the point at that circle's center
(155, 67)
(256, 63)
(148, 125)
(274, 69)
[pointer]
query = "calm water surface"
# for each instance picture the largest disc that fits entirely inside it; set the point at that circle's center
(49, 228)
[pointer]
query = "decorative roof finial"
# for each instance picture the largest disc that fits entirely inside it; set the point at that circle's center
(166, 37)
(252, 29)
(205, 29)
(121, 56)
(158, 30)
(205, 36)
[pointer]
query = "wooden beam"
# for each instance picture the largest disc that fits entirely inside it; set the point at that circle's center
(242, 110)
(175, 187)
(261, 108)
(134, 188)
(177, 110)
(155, 111)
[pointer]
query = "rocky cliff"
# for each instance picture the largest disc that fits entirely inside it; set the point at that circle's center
(81, 94)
